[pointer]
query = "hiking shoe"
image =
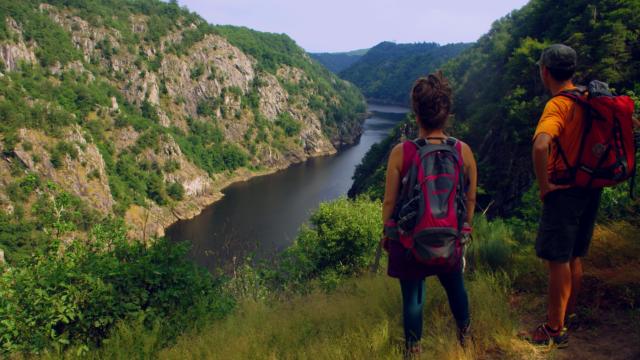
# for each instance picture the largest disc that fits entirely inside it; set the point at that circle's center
(544, 335)
(464, 335)
(572, 322)
(412, 351)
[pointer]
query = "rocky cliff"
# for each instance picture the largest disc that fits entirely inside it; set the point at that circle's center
(148, 111)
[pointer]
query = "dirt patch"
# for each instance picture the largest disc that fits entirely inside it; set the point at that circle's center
(610, 334)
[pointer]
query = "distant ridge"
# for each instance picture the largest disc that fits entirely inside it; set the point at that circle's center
(336, 62)
(387, 71)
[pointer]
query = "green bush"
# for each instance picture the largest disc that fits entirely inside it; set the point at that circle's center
(76, 296)
(197, 72)
(341, 240)
(175, 191)
(289, 125)
(492, 246)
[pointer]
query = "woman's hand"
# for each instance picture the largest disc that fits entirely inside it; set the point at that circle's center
(384, 243)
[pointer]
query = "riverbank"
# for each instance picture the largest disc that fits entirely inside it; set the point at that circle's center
(261, 217)
(154, 220)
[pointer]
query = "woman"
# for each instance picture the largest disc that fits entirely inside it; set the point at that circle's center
(431, 103)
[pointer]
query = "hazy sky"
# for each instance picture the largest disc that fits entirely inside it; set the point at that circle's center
(341, 25)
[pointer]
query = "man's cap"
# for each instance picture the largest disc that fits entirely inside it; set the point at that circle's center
(560, 57)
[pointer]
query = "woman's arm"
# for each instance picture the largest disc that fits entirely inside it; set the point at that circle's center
(471, 173)
(392, 182)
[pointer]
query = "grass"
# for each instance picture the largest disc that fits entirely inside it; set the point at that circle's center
(612, 269)
(360, 320)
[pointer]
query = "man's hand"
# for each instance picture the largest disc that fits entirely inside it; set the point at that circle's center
(540, 152)
(544, 190)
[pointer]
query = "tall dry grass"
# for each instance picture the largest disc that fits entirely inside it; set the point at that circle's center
(360, 320)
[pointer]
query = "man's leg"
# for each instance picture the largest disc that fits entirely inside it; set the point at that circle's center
(559, 292)
(576, 284)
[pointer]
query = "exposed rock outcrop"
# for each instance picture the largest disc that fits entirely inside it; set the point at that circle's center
(12, 53)
(211, 82)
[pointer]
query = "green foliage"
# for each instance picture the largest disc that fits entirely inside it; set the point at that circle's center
(52, 213)
(360, 320)
(369, 176)
(197, 71)
(19, 237)
(289, 125)
(57, 212)
(61, 150)
(54, 43)
(205, 146)
(341, 240)
(388, 70)
(149, 111)
(176, 191)
(76, 296)
(207, 107)
(171, 166)
(492, 246)
(497, 84)
(337, 62)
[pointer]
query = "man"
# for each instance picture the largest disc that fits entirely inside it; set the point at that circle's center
(569, 213)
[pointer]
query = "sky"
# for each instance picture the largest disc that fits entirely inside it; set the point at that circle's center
(344, 25)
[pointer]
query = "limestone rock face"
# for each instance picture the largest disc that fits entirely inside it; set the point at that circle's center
(220, 64)
(11, 54)
(209, 73)
(273, 97)
(74, 174)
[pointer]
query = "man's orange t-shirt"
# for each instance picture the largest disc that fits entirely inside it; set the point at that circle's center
(561, 119)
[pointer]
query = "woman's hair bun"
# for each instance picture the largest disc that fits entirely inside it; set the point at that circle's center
(431, 100)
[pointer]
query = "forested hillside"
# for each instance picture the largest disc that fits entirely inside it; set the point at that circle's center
(114, 110)
(336, 62)
(387, 71)
(143, 110)
(498, 94)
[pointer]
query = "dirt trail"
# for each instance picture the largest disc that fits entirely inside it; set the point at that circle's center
(603, 334)
(612, 336)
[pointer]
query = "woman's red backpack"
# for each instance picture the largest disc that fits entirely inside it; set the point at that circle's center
(431, 206)
(607, 149)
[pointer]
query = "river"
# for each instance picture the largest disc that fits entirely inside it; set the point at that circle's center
(261, 216)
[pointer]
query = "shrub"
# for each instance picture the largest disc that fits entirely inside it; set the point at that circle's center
(492, 245)
(171, 166)
(342, 238)
(289, 125)
(175, 191)
(197, 72)
(62, 149)
(78, 295)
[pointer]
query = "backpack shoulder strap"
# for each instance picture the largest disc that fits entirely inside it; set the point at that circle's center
(419, 142)
(578, 95)
(456, 144)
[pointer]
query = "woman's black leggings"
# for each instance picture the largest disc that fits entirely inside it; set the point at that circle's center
(413, 293)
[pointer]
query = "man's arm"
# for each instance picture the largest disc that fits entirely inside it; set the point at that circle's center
(540, 158)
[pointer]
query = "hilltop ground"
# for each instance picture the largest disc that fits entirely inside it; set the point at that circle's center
(361, 318)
